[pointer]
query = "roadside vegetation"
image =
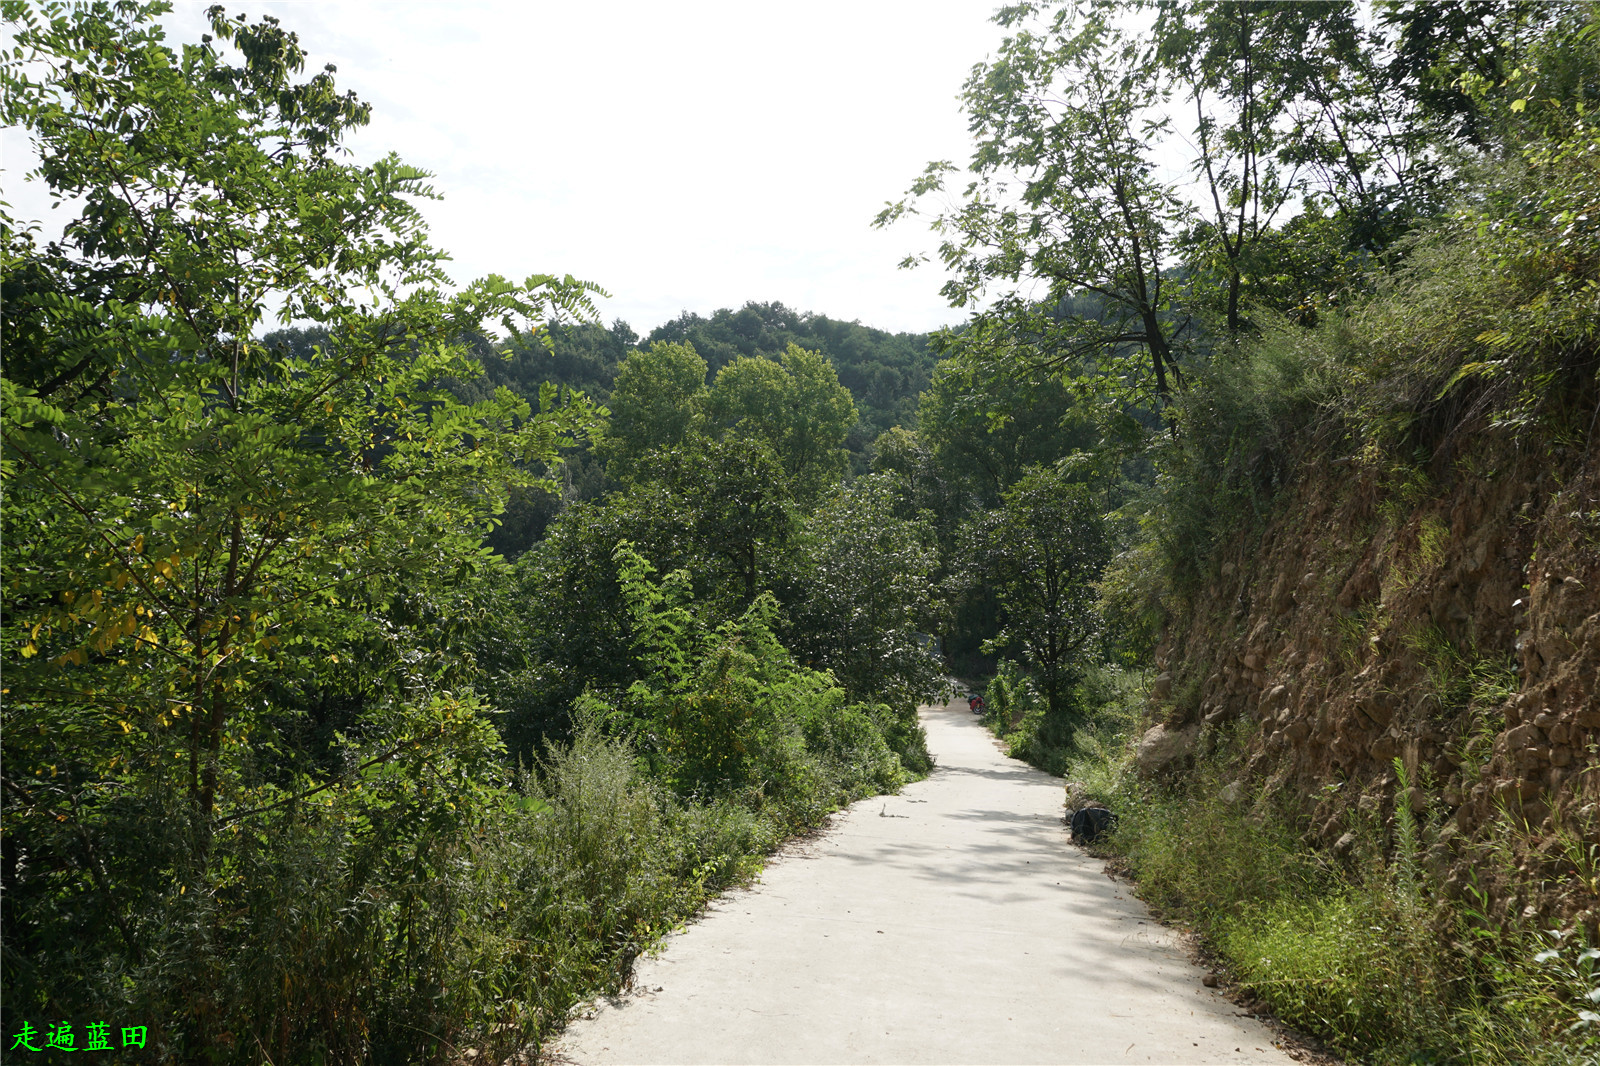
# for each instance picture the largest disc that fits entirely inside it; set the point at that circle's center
(299, 764)
(1477, 314)
(380, 681)
(1362, 947)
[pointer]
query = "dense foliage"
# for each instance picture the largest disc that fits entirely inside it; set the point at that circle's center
(378, 685)
(291, 770)
(1388, 251)
(885, 372)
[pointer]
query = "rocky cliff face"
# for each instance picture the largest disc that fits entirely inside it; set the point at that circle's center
(1448, 619)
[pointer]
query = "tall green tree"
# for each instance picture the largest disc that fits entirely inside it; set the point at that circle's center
(218, 507)
(656, 400)
(883, 371)
(1242, 66)
(1064, 199)
(863, 602)
(199, 525)
(733, 500)
(1079, 256)
(983, 433)
(797, 406)
(1440, 50)
(1039, 554)
(718, 511)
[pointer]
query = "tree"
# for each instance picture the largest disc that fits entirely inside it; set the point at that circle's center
(733, 500)
(718, 511)
(1248, 62)
(200, 525)
(883, 371)
(538, 660)
(796, 406)
(1064, 200)
(1039, 554)
(218, 505)
(864, 602)
(984, 434)
(724, 707)
(924, 489)
(656, 401)
(1436, 44)
(583, 356)
(1080, 259)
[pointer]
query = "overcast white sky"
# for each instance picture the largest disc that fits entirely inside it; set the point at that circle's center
(684, 155)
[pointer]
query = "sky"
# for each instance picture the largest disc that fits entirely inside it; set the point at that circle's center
(685, 156)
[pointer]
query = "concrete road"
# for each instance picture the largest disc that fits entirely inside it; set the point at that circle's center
(953, 923)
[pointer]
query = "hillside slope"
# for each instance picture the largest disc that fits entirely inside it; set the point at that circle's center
(1455, 628)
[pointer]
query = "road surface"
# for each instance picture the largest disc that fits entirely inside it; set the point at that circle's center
(953, 923)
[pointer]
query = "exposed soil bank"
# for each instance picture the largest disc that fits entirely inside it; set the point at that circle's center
(1451, 620)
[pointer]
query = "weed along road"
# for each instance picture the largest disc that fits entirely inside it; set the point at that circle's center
(950, 924)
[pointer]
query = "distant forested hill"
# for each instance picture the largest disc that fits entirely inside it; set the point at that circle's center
(586, 357)
(885, 372)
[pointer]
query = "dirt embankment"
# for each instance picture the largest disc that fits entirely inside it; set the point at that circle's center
(1452, 621)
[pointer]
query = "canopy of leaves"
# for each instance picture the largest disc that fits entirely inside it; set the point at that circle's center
(796, 406)
(212, 541)
(655, 401)
(883, 371)
(863, 604)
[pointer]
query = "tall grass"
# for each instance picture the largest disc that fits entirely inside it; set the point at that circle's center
(566, 890)
(1363, 948)
(1245, 424)
(608, 860)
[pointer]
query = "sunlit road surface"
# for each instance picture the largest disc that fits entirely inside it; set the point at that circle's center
(953, 923)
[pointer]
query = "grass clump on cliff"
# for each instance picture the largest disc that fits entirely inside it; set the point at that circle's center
(1243, 427)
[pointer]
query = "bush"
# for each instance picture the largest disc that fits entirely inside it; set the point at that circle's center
(319, 923)
(1103, 702)
(579, 871)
